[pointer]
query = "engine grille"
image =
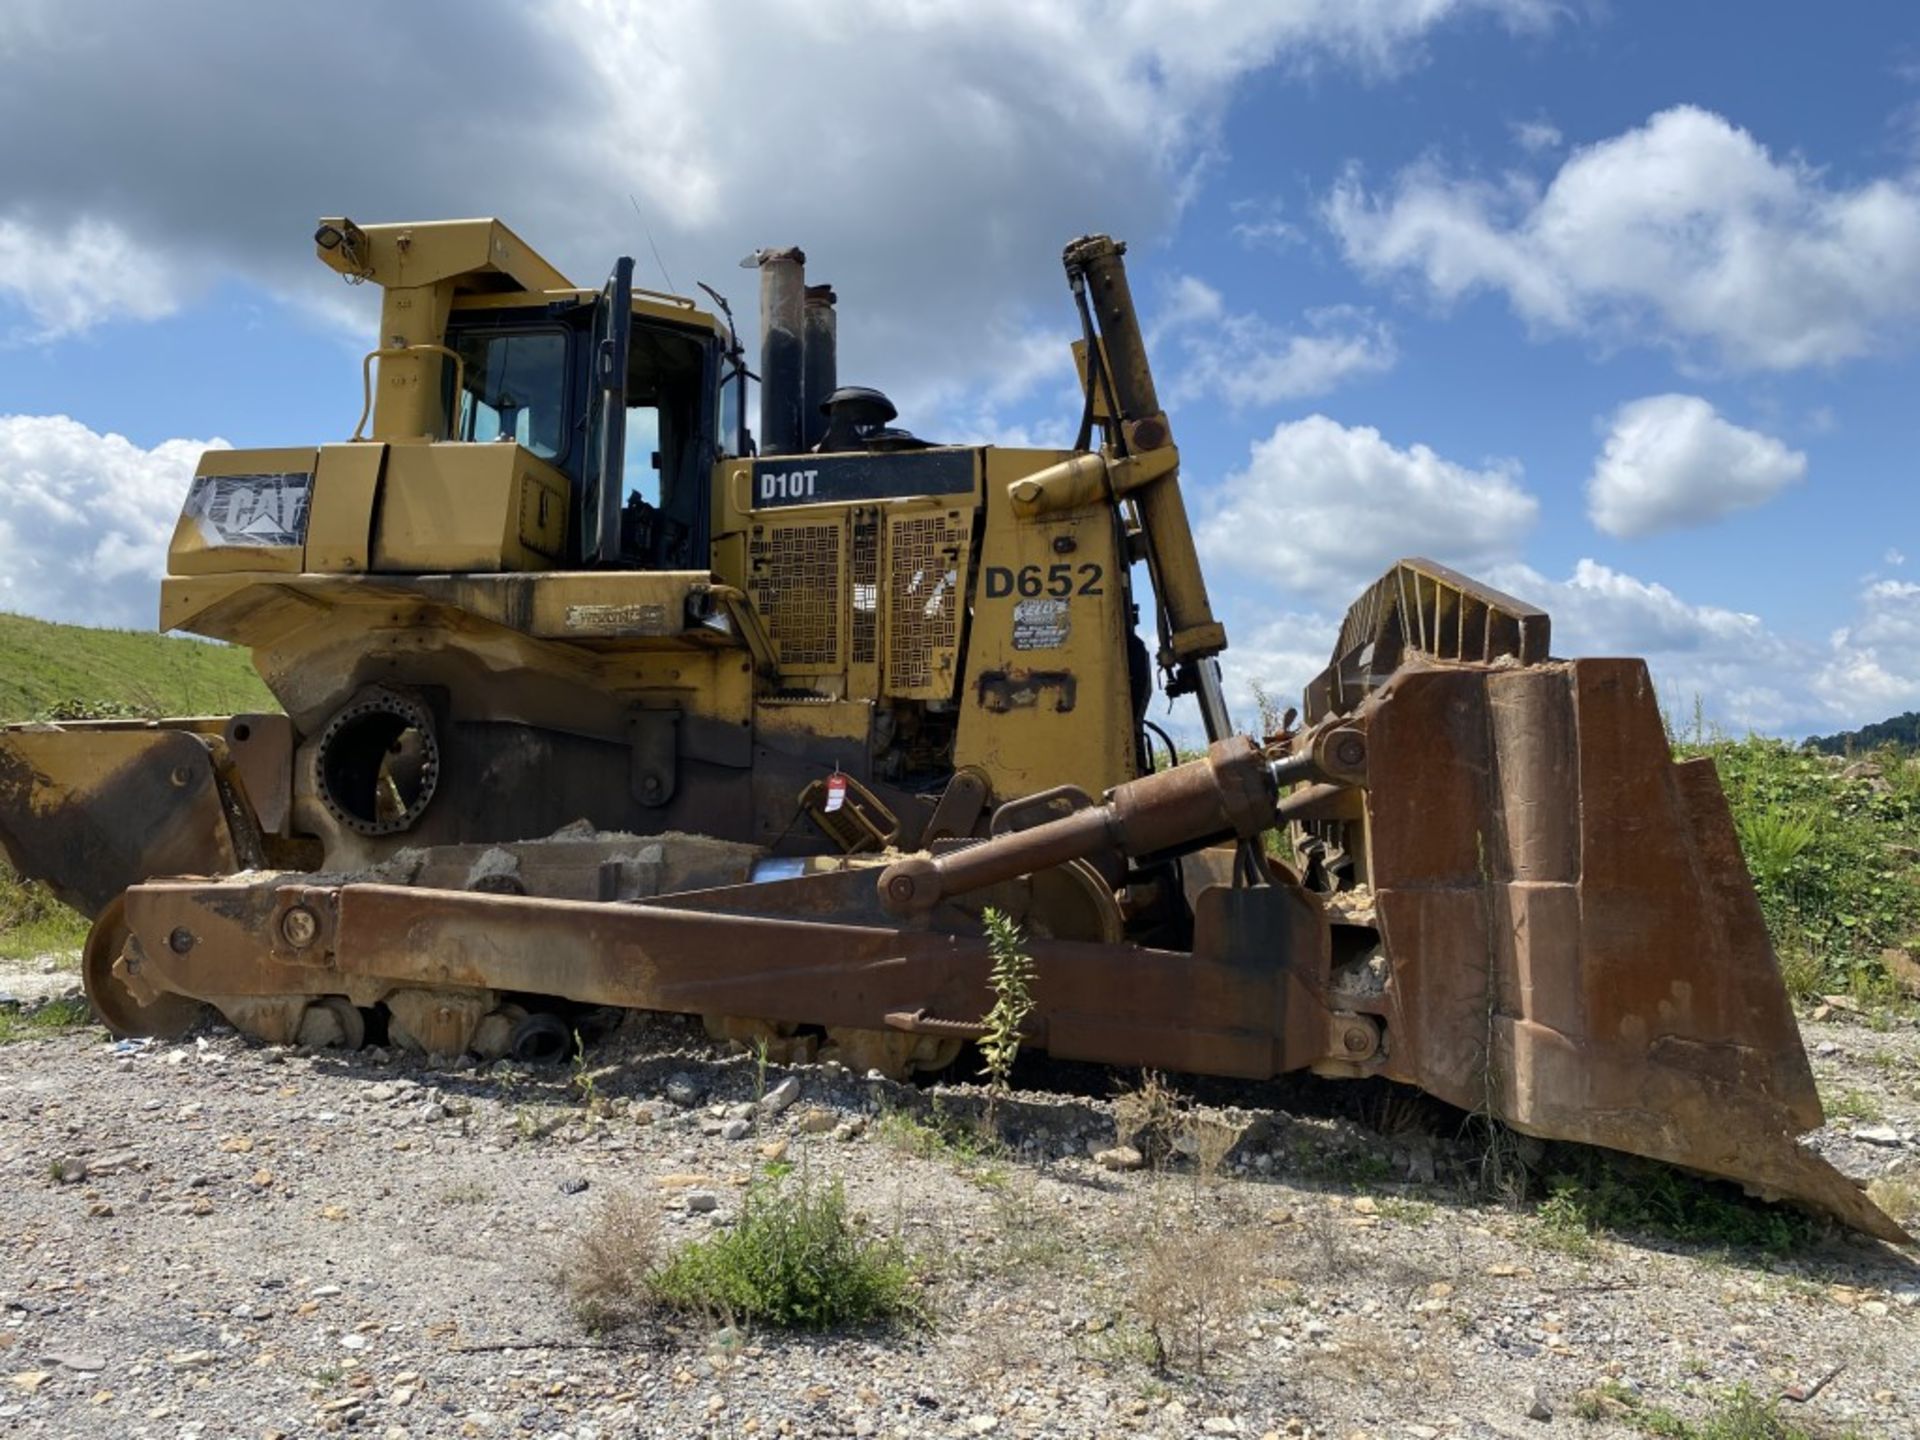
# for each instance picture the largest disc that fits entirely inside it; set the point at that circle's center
(866, 588)
(925, 557)
(796, 586)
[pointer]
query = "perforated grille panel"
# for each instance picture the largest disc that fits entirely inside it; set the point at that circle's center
(925, 556)
(796, 586)
(866, 588)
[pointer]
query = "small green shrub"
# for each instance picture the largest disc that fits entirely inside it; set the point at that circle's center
(1773, 839)
(1012, 983)
(797, 1259)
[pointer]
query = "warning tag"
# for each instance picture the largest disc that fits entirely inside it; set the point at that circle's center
(836, 791)
(1040, 624)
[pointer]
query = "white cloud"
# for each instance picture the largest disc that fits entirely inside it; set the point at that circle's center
(1535, 136)
(1686, 231)
(85, 518)
(1874, 666)
(1744, 674)
(1262, 225)
(69, 282)
(1246, 361)
(1894, 557)
(915, 150)
(1671, 461)
(1276, 657)
(1324, 508)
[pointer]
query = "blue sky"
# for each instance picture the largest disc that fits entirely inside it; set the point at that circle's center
(1612, 305)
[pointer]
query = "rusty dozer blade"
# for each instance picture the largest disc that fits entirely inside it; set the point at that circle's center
(1573, 944)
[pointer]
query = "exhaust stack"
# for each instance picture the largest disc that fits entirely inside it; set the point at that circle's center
(821, 362)
(783, 283)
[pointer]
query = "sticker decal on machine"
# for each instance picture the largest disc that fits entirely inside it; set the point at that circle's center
(268, 510)
(1040, 624)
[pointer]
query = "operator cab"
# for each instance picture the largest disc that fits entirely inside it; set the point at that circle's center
(621, 394)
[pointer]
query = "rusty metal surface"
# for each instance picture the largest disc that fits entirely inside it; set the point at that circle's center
(1230, 793)
(92, 809)
(1574, 944)
(1422, 609)
(1247, 1001)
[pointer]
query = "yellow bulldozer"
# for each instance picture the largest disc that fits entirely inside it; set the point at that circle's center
(588, 700)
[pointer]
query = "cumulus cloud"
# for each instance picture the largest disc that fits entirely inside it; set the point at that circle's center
(1686, 229)
(932, 157)
(68, 282)
(85, 519)
(1324, 508)
(1244, 360)
(1671, 461)
(1874, 664)
(1275, 656)
(1745, 674)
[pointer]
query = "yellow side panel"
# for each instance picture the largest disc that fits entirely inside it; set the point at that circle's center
(346, 487)
(1046, 699)
(453, 507)
(246, 510)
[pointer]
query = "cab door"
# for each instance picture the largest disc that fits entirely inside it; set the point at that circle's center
(606, 429)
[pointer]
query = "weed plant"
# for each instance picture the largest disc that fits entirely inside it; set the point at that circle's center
(1602, 1193)
(795, 1260)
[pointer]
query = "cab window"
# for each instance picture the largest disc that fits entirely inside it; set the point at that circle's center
(514, 388)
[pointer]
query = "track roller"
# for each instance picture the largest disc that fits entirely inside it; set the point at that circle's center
(541, 1040)
(334, 1022)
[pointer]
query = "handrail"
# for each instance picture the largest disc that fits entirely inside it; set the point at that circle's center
(366, 381)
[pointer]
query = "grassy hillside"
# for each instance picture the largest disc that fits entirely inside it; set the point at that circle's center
(69, 671)
(50, 669)
(1834, 848)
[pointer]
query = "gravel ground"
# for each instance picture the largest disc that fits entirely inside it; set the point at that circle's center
(218, 1239)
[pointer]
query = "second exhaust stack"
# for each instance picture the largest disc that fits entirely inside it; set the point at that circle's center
(820, 363)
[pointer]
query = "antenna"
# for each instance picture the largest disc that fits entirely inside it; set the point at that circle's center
(671, 287)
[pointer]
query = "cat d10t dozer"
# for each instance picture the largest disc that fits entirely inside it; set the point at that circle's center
(589, 702)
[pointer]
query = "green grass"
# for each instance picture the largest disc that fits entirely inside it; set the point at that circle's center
(49, 1019)
(964, 1143)
(33, 923)
(1603, 1194)
(1853, 1105)
(1836, 861)
(48, 670)
(73, 672)
(1739, 1414)
(797, 1259)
